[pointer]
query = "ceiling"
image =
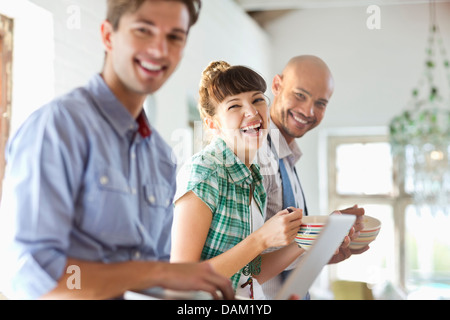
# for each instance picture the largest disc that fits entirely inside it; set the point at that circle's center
(264, 5)
(266, 10)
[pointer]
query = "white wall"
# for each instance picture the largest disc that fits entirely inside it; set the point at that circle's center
(78, 49)
(374, 70)
(224, 31)
(33, 56)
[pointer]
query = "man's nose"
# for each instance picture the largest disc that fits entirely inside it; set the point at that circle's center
(158, 47)
(308, 108)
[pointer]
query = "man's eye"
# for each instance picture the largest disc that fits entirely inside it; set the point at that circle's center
(176, 38)
(300, 95)
(143, 31)
(321, 105)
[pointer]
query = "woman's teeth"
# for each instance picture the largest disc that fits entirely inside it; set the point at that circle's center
(255, 127)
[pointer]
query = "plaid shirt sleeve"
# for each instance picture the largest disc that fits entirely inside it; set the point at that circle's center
(198, 176)
(204, 183)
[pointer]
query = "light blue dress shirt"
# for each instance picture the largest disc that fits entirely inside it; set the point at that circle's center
(81, 182)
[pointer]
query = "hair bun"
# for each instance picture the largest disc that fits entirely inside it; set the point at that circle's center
(212, 70)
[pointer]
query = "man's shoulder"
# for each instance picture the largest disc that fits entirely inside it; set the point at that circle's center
(75, 100)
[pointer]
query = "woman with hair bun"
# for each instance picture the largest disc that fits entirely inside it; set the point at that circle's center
(220, 201)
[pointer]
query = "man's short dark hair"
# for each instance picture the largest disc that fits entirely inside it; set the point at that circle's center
(117, 8)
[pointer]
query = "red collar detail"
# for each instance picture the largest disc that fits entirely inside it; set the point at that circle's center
(144, 129)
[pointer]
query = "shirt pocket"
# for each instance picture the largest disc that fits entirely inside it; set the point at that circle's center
(158, 195)
(111, 209)
(158, 213)
(110, 179)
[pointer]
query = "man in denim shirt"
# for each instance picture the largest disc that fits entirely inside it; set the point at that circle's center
(89, 185)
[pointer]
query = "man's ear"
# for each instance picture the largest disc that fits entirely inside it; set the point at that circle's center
(276, 84)
(106, 33)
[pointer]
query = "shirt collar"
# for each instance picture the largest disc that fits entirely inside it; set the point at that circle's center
(114, 111)
(237, 170)
(283, 149)
(143, 124)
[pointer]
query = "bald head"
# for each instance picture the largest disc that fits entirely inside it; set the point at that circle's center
(309, 64)
(302, 93)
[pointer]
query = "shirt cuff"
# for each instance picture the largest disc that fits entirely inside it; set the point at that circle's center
(28, 280)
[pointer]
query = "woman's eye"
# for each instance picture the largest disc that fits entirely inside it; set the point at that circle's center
(233, 106)
(259, 100)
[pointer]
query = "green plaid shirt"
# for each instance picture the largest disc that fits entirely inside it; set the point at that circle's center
(223, 182)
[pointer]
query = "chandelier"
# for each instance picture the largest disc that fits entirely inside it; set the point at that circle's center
(420, 136)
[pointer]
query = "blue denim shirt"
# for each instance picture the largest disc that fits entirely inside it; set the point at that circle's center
(81, 182)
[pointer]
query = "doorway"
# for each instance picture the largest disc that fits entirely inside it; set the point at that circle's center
(6, 49)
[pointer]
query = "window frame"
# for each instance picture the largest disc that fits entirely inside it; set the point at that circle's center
(398, 199)
(6, 60)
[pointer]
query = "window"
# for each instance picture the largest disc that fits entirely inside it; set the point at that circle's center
(363, 169)
(427, 254)
(360, 172)
(412, 251)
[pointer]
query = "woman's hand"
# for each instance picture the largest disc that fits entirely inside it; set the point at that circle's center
(281, 229)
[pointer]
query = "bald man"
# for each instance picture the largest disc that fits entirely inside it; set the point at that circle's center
(301, 95)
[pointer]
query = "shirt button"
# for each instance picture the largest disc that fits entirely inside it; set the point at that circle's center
(142, 228)
(151, 199)
(104, 180)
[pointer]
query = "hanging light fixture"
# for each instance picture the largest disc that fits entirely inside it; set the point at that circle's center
(420, 136)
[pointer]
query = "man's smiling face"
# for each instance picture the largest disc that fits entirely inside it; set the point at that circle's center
(148, 45)
(301, 93)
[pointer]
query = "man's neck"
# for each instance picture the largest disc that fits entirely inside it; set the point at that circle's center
(132, 101)
(286, 136)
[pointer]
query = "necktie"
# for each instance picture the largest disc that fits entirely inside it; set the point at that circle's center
(288, 201)
(288, 193)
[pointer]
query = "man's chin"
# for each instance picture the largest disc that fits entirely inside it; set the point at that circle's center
(293, 134)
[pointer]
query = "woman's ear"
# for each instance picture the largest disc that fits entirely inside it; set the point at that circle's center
(211, 125)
